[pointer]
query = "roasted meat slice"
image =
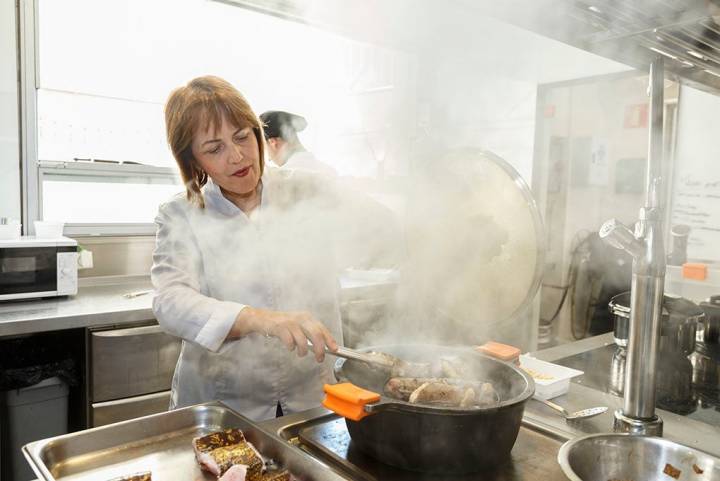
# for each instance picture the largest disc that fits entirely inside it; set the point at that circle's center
(438, 393)
(239, 473)
(411, 369)
(283, 475)
(486, 395)
(218, 439)
(402, 387)
(219, 460)
(235, 473)
(220, 451)
(452, 368)
(143, 476)
(468, 398)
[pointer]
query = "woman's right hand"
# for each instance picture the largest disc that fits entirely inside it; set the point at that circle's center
(293, 328)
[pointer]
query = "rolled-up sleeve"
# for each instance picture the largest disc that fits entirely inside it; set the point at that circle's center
(179, 304)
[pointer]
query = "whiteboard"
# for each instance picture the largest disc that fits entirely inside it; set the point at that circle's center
(696, 179)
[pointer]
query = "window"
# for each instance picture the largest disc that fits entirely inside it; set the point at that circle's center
(105, 69)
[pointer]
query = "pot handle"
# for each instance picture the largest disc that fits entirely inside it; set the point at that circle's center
(348, 400)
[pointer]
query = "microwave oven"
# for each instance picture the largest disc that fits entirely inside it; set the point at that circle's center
(31, 267)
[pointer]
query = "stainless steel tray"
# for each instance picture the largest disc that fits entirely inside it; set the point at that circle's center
(161, 443)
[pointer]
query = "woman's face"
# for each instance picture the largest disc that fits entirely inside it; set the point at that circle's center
(230, 156)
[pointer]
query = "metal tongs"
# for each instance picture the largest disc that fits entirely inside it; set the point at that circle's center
(386, 361)
(398, 367)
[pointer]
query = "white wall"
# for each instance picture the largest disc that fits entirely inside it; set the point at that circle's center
(696, 186)
(472, 107)
(9, 139)
(478, 75)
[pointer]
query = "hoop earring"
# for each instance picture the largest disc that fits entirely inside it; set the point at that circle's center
(200, 175)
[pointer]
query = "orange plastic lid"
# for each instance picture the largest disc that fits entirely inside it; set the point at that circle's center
(504, 352)
(694, 271)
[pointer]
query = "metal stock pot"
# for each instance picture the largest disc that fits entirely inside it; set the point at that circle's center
(680, 320)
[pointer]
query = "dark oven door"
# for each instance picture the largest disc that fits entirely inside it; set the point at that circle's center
(27, 271)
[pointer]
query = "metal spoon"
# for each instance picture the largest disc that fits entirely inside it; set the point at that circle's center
(582, 414)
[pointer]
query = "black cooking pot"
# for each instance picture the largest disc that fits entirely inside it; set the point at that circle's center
(438, 439)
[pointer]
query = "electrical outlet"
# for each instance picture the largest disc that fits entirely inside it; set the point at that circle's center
(85, 259)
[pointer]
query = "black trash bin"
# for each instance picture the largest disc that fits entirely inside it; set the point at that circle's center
(34, 380)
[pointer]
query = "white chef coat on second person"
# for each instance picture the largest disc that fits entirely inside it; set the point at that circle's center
(304, 160)
(209, 263)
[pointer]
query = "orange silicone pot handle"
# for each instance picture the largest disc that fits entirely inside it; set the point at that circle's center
(348, 400)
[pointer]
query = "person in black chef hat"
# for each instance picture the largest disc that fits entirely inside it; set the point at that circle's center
(283, 145)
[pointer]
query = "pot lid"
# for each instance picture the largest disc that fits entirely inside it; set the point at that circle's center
(476, 243)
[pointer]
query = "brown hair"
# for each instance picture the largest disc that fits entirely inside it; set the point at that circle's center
(206, 99)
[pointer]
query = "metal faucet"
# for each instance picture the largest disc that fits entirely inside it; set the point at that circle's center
(645, 245)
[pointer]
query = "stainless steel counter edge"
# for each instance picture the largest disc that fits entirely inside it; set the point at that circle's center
(276, 425)
(94, 305)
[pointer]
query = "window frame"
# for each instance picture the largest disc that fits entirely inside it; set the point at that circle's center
(34, 170)
(27, 43)
(97, 170)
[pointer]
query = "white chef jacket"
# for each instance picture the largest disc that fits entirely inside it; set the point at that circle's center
(304, 160)
(209, 263)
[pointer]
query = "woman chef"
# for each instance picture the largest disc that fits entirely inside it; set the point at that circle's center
(244, 266)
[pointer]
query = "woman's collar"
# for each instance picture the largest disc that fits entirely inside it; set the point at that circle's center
(213, 196)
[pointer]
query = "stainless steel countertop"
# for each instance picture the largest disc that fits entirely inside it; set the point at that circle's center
(94, 305)
(678, 428)
(100, 302)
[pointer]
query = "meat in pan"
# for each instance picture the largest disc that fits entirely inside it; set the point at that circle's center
(442, 392)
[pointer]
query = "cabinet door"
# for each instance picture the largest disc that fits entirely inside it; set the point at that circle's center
(129, 408)
(131, 362)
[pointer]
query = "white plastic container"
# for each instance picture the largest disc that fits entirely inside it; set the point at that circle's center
(10, 231)
(48, 229)
(551, 380)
